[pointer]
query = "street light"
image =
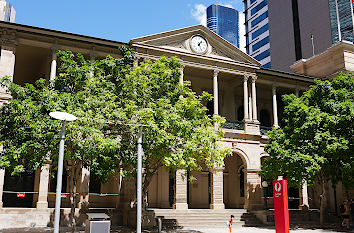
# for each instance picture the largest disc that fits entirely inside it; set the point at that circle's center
(265, 187)
(63, 116)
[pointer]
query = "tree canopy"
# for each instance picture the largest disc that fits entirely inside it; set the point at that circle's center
(318, 136)
(110, 97)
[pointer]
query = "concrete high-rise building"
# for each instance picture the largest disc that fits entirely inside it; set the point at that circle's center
(7, 12)
(224, 21)
(279, 33)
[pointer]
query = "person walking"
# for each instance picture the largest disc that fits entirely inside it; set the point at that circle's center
(345, 212)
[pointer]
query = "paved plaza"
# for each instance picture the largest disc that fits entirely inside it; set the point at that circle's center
(236, 229)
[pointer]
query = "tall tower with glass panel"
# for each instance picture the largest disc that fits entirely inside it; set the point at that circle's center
(279, 33)
(257, 31)
(224, 21)
(7, 12)
(341, 11)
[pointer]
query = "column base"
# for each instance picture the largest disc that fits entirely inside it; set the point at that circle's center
(304, 207)
(42, 205)
(180, 206)
(252, 127)
(217, 206)
(1, 204)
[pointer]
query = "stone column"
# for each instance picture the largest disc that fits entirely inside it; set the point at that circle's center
(245, 97)
(2, 179)
(304, 199)
(297, 93)
(253, 190)
(92, 59)
(181, 190)
(43, 187)
(7, 66)
(84, 188)
(53, 67)
(254, 98)
(217, 189)
(182, 75)
(275, 107)
(215, 92)
(250, 103)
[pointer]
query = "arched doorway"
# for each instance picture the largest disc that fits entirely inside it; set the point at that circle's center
(234, 182)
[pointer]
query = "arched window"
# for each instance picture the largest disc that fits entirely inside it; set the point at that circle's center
(265, 118)
(240, 113)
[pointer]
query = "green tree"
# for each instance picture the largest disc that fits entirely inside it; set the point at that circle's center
(317, 142)
(110, 97)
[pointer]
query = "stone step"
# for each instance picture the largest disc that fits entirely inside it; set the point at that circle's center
(206, 217)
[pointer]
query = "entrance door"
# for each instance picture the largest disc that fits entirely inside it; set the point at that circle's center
(21, 183)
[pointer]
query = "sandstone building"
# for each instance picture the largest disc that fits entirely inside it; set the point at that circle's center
(245, 94)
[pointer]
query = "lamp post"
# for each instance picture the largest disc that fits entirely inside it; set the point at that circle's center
(63, 116)
(265, 187)
(139, 180)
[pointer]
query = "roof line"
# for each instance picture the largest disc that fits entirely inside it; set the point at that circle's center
(57, 31)
(268, 71)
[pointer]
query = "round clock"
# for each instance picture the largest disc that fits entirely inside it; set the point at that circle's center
(199, 44)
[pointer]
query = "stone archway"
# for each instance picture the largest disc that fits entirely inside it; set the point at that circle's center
(234, 182)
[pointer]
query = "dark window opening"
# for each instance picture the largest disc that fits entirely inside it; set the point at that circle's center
(171, 188)
(20, 183)
(95, 184)
(242, 182)
(53, 181)
(240, 113)
(210, 107)
(265, 118)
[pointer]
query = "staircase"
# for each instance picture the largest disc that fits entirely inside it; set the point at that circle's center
(205, 217)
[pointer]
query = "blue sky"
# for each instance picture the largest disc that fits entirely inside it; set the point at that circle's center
(115, 19)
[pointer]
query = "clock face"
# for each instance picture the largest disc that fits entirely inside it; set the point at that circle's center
(199, 44)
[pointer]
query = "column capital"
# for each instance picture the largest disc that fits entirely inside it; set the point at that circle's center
(254, 78)
(245, 77)
(274, 86)
(93, 56)
(54, 49)
(216, 72)
(183, 66)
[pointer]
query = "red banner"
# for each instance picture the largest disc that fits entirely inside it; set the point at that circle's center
(281, 209)
(64, 196)
(21, 194)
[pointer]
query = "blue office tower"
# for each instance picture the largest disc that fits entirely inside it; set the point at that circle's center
(224, 21)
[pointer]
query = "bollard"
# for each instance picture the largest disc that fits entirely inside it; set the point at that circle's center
(159, 223)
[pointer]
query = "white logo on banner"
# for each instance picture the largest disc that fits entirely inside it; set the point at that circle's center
(277, 186)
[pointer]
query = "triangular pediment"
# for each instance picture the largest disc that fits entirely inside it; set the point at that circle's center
(180, 41)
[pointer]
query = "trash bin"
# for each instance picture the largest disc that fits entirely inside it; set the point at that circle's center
(97, 223)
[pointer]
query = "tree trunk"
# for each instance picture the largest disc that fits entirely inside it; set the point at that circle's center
(322, 199)
(73, 195)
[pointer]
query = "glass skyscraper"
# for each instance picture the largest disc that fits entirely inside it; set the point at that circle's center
(257, 31)
(224, 21)
(345, 18)
(279, 33)
(7, 12)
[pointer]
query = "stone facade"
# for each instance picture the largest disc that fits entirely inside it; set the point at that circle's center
(243, 93)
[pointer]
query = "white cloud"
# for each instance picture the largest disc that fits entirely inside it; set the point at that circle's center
(227, 5)
(199, 13)
(242, 31)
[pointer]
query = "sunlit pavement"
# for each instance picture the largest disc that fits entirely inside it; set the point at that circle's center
(235, 229)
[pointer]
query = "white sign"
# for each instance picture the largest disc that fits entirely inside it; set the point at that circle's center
(277, 186)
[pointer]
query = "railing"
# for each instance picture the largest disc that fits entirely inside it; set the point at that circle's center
(265, 129)
(229, 124)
